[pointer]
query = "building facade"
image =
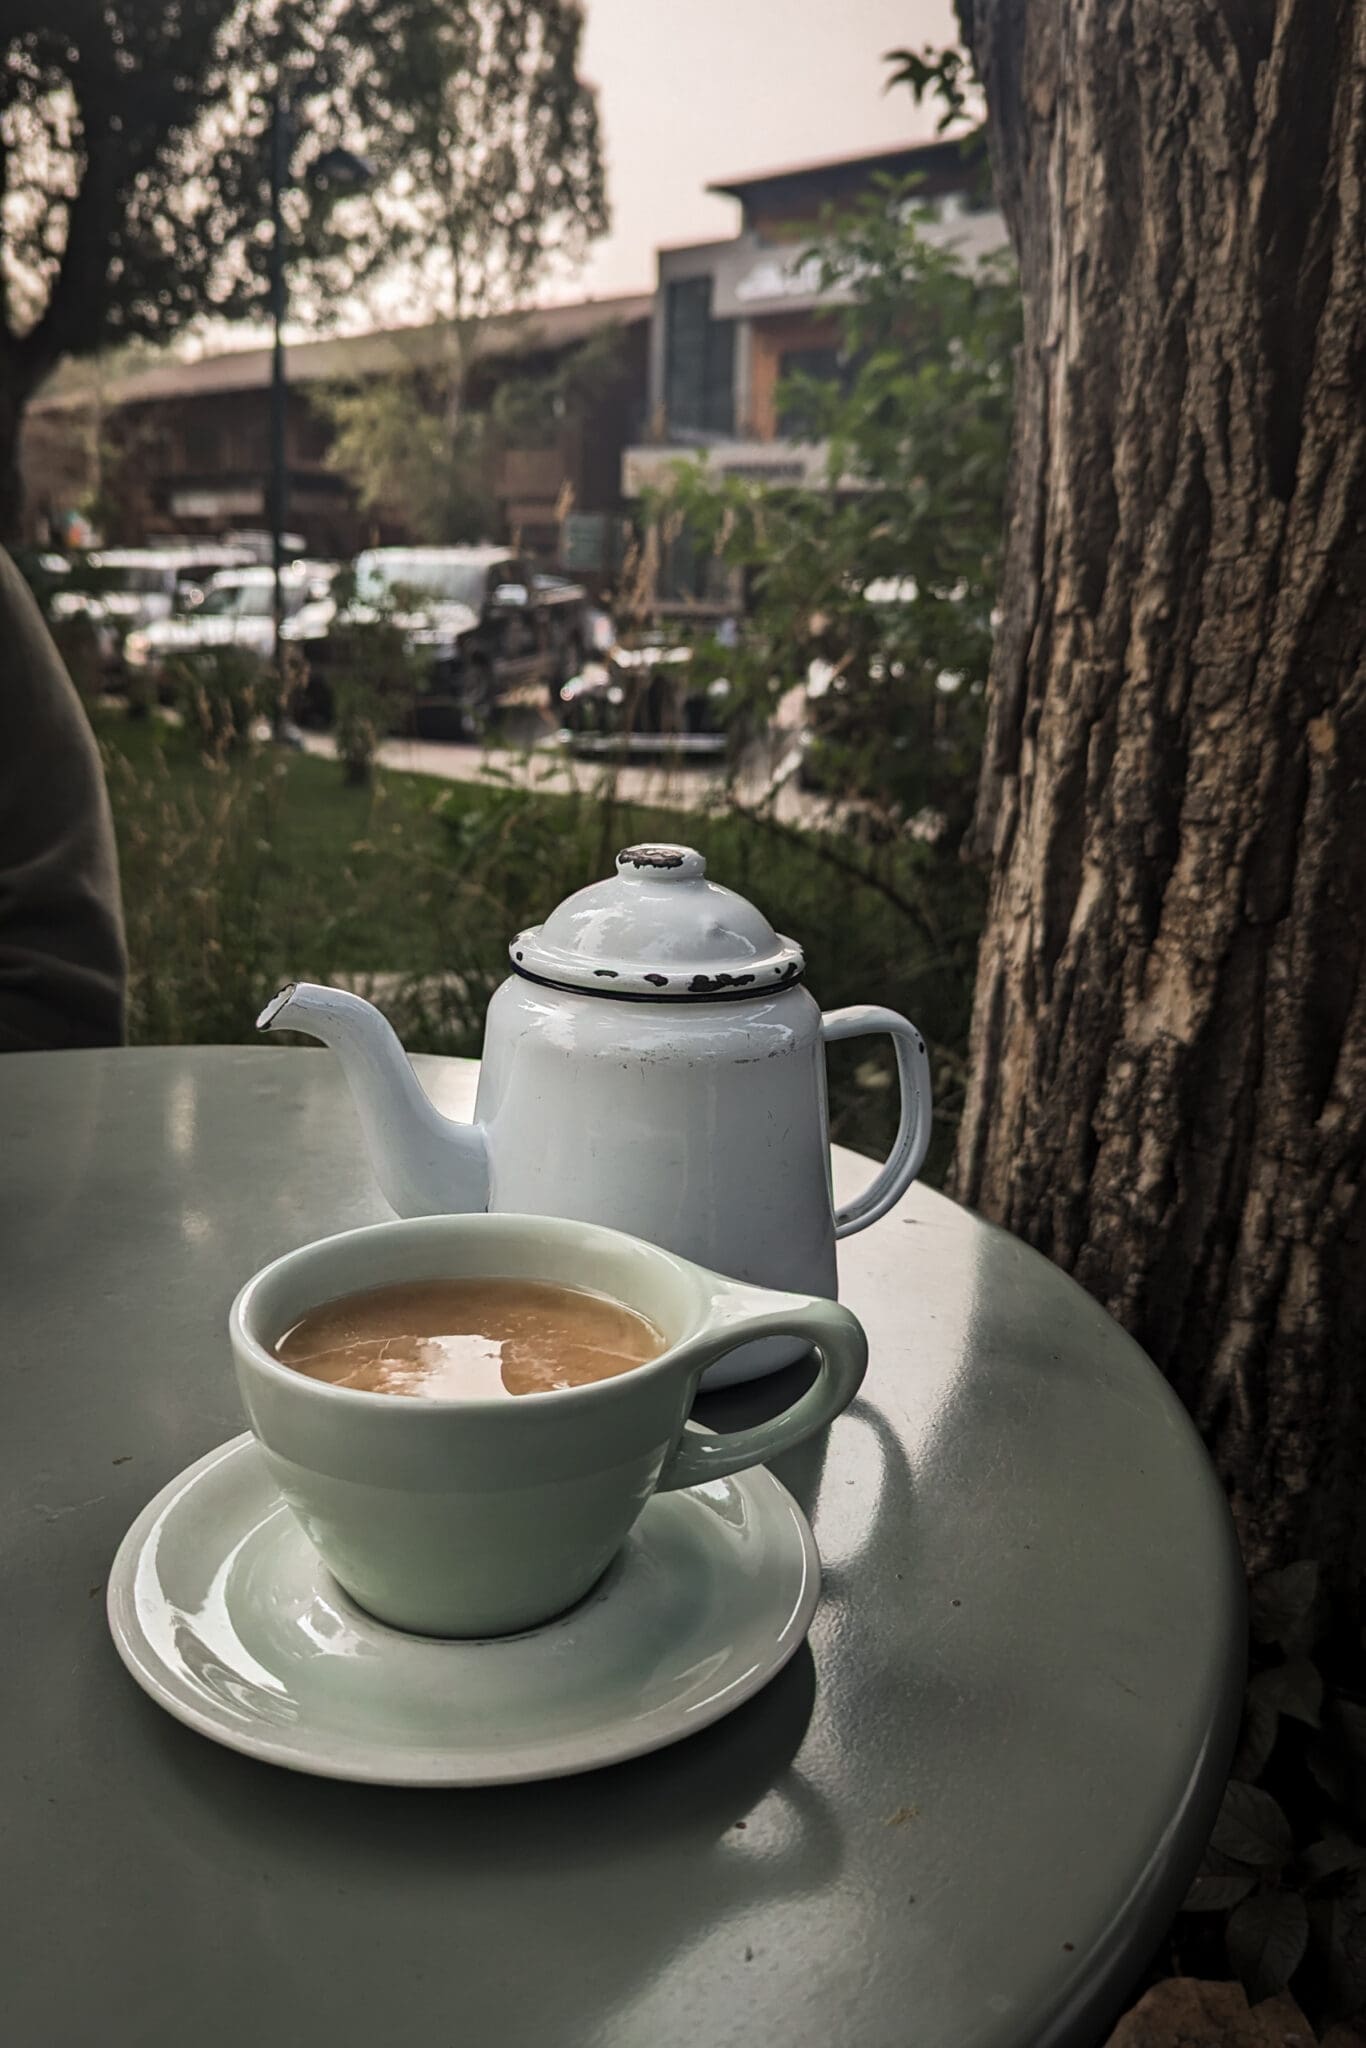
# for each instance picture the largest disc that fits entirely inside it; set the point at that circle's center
(732, 319)
(697, 371)
(183, 448)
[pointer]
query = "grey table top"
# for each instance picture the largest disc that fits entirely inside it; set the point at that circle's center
(961, 1816)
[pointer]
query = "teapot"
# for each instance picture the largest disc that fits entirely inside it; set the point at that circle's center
(653, 1062)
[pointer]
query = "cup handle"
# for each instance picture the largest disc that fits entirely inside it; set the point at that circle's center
(842, 1349)
(912, 1142)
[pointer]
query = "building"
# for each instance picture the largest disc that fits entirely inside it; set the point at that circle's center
(732, 319)
(183, 447)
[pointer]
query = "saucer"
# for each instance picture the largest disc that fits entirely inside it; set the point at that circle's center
(226, 1617)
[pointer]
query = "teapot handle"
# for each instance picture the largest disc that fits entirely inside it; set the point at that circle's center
(907, 1155)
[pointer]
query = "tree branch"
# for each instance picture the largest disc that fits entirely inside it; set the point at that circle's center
(73, 315)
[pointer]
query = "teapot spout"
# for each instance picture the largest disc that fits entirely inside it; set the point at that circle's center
(426, 1164)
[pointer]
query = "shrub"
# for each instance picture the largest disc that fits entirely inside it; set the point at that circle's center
(223, 694)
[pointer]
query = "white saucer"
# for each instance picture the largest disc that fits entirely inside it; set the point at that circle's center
(222, 1611)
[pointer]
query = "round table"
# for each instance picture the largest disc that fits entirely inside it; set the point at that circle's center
(963, 1815)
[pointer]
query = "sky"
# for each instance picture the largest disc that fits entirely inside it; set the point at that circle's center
(695, 90)
(690, 91)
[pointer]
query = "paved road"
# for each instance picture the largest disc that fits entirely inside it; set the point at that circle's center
(538, 762)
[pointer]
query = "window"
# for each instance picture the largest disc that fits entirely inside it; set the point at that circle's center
(142, 582)
(699, 360)
(251, 600)
(403, 571)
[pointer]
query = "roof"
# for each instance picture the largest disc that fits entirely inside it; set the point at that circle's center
(385, 351)
(940, 155)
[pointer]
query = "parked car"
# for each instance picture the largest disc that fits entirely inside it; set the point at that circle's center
(639, 697)
(482, 624)
(238, 610)
(124, 590)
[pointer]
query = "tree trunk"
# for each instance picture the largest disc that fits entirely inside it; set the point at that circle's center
(1168, 1090)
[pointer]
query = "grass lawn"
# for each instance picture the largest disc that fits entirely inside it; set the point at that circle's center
(329, 848)
(240, 875)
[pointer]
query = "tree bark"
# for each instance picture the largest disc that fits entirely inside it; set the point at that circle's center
(1168, 1091)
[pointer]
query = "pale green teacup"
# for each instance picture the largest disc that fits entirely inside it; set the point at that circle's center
(474, 1518)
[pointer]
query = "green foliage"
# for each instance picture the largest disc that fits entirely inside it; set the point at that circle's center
(415, 451)
(412, 455)
(143, 211)
(1285, 1869)
(244, 868)
(135, 142)
(498, 166)
(495, 149)
(945, 75)
(531, 411)
(1267, 1938)
(208, 930)
(222, 694)
(374, 686)
(917, 442)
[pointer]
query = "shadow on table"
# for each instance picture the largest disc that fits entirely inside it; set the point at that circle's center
(696, 1789)
(537, 1900)
(874, 1465)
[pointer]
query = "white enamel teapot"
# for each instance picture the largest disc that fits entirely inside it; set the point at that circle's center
(653, 1063)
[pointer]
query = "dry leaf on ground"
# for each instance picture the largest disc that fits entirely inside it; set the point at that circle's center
(1183, 2013)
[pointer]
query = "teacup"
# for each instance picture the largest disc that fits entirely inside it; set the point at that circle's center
(484, 1517)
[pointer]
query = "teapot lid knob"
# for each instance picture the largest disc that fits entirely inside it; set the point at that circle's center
(633, 939)
(661, 863)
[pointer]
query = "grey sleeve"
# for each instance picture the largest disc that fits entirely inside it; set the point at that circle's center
(63, 968)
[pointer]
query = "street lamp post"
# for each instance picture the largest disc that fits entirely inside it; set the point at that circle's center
(281, 140)
(338, 172)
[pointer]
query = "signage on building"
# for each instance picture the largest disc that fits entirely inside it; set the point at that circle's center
(779, 277)
(753, 277)
(230, 502)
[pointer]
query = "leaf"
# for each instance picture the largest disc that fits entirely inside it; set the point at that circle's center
(1293, 1688)
(1280, 1605)
(1350, 1721)
(1328, 1768)
(1257, 1739)
(1215, 1891)
(1337, 1757)
(1346, 1945)
(1330, 1855)
(1251, 1828)
(1267, 1935)
(1183, 2010)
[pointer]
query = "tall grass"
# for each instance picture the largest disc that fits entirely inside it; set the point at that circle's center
(243, 869)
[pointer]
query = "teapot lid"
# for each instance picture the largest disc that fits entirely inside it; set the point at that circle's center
(658, 931)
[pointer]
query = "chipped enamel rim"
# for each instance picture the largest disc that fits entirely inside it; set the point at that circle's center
(657, 931)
